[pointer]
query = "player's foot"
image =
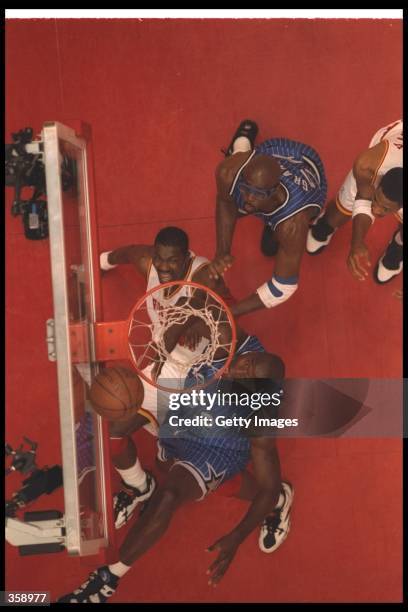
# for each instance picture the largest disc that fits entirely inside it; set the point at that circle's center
(390, 264)
(247, 129)
(269, 244)
(100, 585)
(276, 526)
(319, 236)
(125, 502)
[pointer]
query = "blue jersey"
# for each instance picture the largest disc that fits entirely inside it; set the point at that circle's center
(211, 455)
(213, 436)
(302, 178)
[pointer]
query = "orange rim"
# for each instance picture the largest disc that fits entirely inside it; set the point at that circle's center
(231, 321)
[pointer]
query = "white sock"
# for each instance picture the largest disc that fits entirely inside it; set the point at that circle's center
(241, 145)
(134, 476)
(398, 238)
(119, 569)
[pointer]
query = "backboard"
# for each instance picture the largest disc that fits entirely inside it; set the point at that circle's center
(76, 297)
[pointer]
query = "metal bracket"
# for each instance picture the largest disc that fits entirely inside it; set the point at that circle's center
(19, 533)
(50, 339)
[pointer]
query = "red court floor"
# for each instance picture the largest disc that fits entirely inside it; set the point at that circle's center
(162, 98)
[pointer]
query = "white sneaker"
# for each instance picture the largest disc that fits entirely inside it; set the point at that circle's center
(318, 237)
(276, 526)
(125, 502)
(391, 263)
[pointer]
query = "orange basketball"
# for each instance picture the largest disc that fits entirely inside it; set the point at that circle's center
(116, 393)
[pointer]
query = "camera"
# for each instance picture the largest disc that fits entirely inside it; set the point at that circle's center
(24, 167)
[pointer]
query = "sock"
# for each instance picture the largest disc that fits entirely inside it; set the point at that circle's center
(119, 569)
(134, 476)
(398, 238)
(241, 145)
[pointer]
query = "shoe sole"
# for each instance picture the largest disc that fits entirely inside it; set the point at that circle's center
(140, 500)
(380, 282)
(318, 250)
(271, 550)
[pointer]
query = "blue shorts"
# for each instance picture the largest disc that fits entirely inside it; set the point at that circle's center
(211, 463)
(211, 466)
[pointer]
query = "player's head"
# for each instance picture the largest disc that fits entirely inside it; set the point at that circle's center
(388, 195)
(257, 365)
(171, 254)
(260, 180)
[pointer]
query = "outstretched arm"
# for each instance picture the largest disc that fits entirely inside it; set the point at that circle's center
(267, 472)
(225, 219)
(292, 236)
(139, 255)
(364, 170)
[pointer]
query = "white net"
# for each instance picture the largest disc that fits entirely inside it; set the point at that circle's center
(184, 325)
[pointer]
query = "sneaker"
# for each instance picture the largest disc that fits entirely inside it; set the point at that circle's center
(276, 526)
(125, 502)
(319, 236)
(269, 243)
(246, 128)
(100, 585)
(390, 264)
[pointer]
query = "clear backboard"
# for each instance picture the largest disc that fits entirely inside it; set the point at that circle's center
(73, 247)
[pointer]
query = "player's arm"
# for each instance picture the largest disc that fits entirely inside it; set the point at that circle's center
(225, 219)
(139, 255)
(364, 170)
(292, 235)
(268, 475)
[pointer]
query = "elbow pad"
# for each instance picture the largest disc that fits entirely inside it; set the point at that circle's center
(362, 207)
(277, 290)
(104, 263)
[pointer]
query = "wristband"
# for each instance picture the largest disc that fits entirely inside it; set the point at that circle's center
(362, 207)
(104, 263)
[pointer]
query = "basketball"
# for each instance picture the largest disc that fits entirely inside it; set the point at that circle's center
(116, 393)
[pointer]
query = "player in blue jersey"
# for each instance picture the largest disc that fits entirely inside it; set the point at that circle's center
(283, 183)
(201, 465)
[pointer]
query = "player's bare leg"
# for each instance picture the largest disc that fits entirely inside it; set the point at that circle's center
(137, 484)
(180, 487)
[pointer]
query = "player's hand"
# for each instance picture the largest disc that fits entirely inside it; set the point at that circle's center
(227, 547)
(219, 265)
(192, 336)
(358, 261)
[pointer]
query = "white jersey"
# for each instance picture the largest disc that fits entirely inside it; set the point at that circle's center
(392, 136)
(159, 301)
(392, 158)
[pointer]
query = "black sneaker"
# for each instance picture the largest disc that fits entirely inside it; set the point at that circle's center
(125, 502)
(390, 264)
(100, 585)
(319, 236)
(269, 243)
(246, 128)
(276, 526)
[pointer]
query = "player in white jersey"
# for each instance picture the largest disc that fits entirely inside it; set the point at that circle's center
(169, 259)
(372, 189)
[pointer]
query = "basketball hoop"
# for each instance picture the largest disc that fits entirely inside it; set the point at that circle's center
(151, 338)
(157, 323)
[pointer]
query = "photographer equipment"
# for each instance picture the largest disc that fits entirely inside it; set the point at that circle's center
(39, 532)
(24, 167)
